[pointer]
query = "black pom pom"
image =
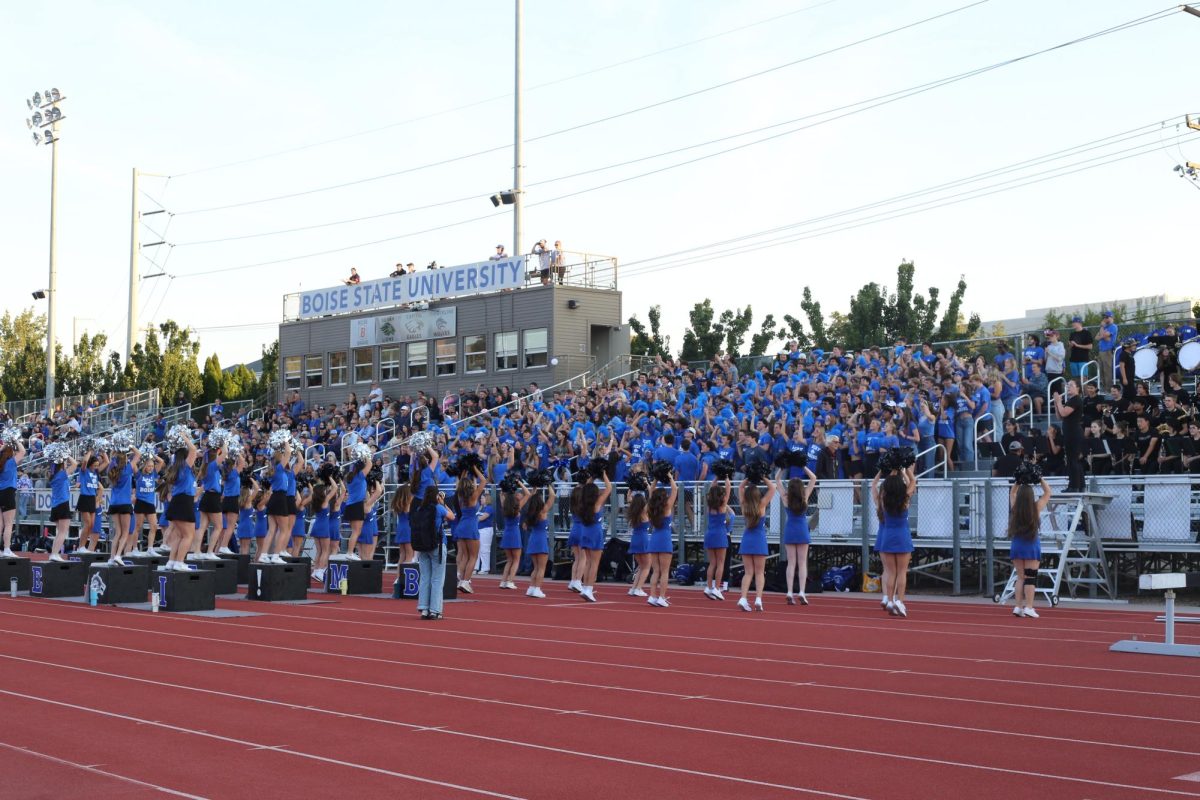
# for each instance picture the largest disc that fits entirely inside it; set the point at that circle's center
(662, 471)
(541, 478)
(1027, 473)
(723, 470)
(637, 483)
(598, 466)
(757, 472)
(783, 460)
(510, 483)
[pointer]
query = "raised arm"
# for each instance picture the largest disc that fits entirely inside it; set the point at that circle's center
(812, 483)
(1044, 500)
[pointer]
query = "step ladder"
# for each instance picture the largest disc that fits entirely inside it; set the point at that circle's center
(1081, 562)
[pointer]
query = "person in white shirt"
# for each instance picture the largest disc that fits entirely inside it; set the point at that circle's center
(1056, 356)
(557, 262)
(499, 255)
(376, 394)
(543, 256)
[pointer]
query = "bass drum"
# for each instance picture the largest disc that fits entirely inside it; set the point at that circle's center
(1189, 356)
(1145, 363)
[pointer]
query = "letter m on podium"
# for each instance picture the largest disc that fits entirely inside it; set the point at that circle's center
(337, 572)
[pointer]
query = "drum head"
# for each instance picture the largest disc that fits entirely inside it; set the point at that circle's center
(1189, 356)
(1145, 363)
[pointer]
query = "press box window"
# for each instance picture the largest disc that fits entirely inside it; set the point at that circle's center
(337, 369)
(364, 364)
(475, 354)
(291, 372)
(389, 363)
(535, 348)
(506, 351)
(314, 371)
(418, 360)
(446, 356)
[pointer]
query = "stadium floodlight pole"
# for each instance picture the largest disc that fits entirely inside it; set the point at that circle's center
(518, 191)
(44, 124)
(135, 218)
(1195, 12)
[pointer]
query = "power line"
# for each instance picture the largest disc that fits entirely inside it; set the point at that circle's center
(484, 101)
(886, 99)
(590, 123)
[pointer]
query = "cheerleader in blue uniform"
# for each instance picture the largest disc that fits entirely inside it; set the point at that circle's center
(246, 521)
(753, 549)
(60, 503)
(145, 503)
(1025, 544)
(262, 523)
(511, 504)
(179, 486)
(591, 533)
(89, 485)
(299, 522)
(578, 562)
(120, 504)
(662, 543)
(892, 493)
(318, 503)
(354, 511)
(401, 505)
(536, 510)
(370, 528)
(639, 541)
(716, 536)
(11, 454)
(210, 502)
(337, 508)
(468, 490)
(231, 490)
(795, 533)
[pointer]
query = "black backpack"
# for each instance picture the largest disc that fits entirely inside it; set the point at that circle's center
(423, 525)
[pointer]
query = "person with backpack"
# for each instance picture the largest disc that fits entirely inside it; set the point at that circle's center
(425, 525)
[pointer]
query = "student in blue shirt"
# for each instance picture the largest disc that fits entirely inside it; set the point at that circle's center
(179, 485)
(89, 498)
(145, 502)
(120, 505)
(60, 503)
(1109, 342)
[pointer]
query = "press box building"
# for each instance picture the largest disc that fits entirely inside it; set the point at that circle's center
(490, 323)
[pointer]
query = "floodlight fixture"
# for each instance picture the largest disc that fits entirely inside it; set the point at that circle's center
(37, 99)
(40, 294)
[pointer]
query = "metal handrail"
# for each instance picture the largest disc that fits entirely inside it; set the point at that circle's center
(1083, 371)
(981, 436)
(1017, 416)
(1050, 391)
(944, 463)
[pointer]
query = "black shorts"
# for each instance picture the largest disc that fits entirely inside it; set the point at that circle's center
(353, 512)
(60, 511)
(545, 273)
(277, 506)
(86, 503)
(229, 505)
(8, 499)
(293, 509)
(182, 508)
(210, 503)
(123, 508)
(144, 508)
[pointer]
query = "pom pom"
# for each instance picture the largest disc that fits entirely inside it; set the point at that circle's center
(10, 435)
(359, 452)
(97, 444)
(420, 441)
(783, 460)
(122, 441)
(1027, 473)
(279, 438)
(235, 447)
(510, 483)
(723, 469)
(147, 451)
(598, 466)
(375, 476)
(541, 479)
(327, 472)
(757, 472)
(662, 471)
(57, 452)
(896, 458)
(637, 483)
(218, 438)
(178, 437)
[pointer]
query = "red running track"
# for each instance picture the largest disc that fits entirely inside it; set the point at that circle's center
(518, 698)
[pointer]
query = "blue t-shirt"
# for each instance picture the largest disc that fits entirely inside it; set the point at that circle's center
(60, 487)
(212, 477)
(89, 481)
(356, 489)
(233, 484)
(147, 482)
(185, 481)
(687, 467)
(8, 474)
(279, 481)
(122, 488)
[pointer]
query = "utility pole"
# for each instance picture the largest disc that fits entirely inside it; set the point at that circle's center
(518, 191)
(134, 247)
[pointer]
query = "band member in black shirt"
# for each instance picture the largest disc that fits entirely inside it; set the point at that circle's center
(1070, 411)
(1146, 461)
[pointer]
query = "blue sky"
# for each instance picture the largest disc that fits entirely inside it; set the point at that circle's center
(177, 88)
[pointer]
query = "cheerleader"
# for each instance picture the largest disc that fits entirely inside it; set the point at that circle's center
(231, 492)
(355, 509)
(337, 507)
(145, 511)
(1025, 545)
(716, 536)
(661, 544)
(318, 503)
(892, 494)
(402, 538)
(89, 484)
(578, 562)
(943, 430)
(179, 486)
(639, 541)
(795, 533)
(370, 528)
(467, 492)
(262, 522)
(591, 533)
(210, 503)
(284, 536)
(11, 453)
(60, 503)
(511, 504)
(538, 550)
(246, 521)
(277, 506)
(753, 549)
(120, 504)
(299, 522)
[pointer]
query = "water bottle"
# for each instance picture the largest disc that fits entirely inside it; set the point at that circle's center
(93, 596)
(344, 586)
(12, 587)
(154, 602)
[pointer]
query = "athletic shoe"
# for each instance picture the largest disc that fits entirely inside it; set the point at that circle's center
(277, 559)
(8, 553)
(211, 557)
(724, 586)
(802, 598)
(791, 600)
(120, 562)
(638, 593)
(466, 587)
(529, 592)
(181, 567)
(1018, 611)
(662, 603)
(884, 602)
(538, 593)
(707, 592)
(193, 556)
(135, 554)
(717, 594)
(588, 594)
(79, 550)
(225, 551)
(900, 609)
(1029, 612)
(574, 586)
(56, 557)
(891, 608)
(630, 592)
(758, 605)
(353, 557)
(652, 601)
(318, 575)
(743, 605)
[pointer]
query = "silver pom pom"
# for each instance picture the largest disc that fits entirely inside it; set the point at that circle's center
(178, 437)
(235, 447)
(147, 451)
(360, 451)
(10, 435)
(218, 438)
(279, 438)
(122, 441)
(420, 441)
(57, 452)
(97, 444)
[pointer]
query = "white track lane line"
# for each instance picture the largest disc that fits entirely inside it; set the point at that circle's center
(233, 740)
(654, 693)
(419, 728)
(124, 779)
(614, 718)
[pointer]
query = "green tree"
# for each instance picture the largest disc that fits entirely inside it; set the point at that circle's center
(816, 322)
(238, 384)
(269, 378)
(651, 342)
(1196, 309)
(23, 355)
(736, 324)
(951, 325)
(865, 324)
(84, 372)
(767, 333)
(702, 338)
(212, 378)
(1054, 320)
(793, 330)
